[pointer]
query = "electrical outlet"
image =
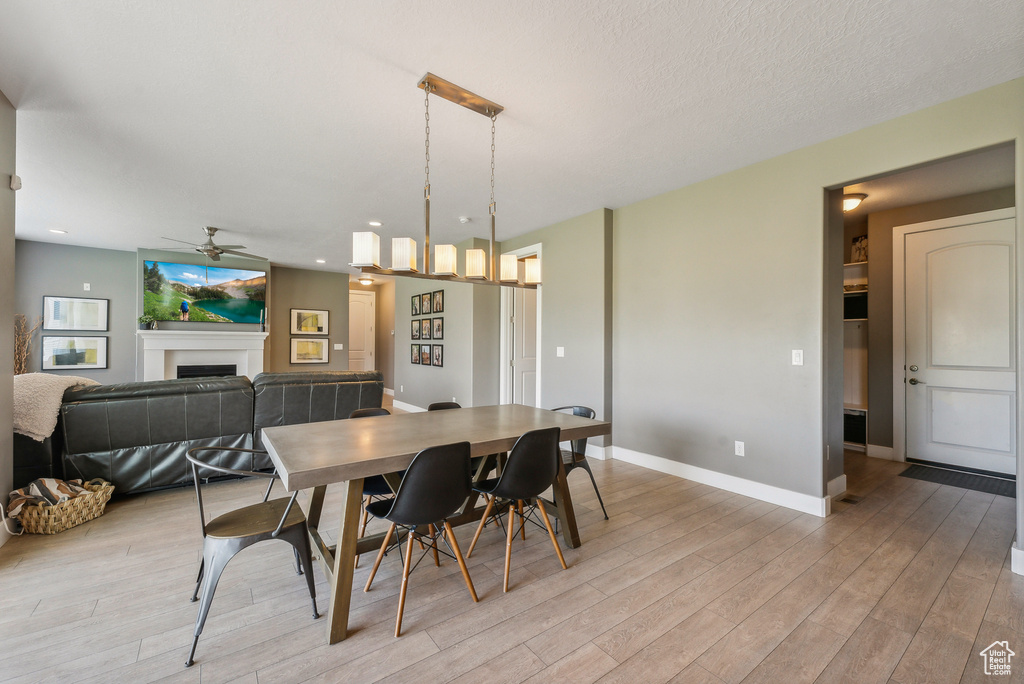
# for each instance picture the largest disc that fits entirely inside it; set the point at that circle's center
(86, 286)
(798, 357)
(739, 449)
(453, 398)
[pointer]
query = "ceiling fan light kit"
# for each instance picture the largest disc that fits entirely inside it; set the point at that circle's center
(479, 268)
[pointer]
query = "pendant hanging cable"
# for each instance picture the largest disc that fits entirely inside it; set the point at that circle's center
(492, 208)
(426, 186)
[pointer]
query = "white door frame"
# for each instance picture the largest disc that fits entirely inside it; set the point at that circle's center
(505, 332)
(899, 350)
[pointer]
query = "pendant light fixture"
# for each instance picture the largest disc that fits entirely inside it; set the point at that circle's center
(480, 267)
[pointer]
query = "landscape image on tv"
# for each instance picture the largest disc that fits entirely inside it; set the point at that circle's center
(186, 292)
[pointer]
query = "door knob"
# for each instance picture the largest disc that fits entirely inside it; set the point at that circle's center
(913, 369)
(915, 381)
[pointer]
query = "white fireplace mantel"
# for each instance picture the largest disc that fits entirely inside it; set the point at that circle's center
(164, 350)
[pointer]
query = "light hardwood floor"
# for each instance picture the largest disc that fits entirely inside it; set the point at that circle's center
(684, 583)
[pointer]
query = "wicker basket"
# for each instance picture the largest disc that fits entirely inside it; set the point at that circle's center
(46, 519)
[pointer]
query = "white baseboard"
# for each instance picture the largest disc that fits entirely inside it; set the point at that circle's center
(875, 451)
(836, 486)
(814, 505)
(389, 392)
(598, 452)
(1017, 560)
(411, 408)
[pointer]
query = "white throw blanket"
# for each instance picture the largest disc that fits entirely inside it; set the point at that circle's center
(37, 398)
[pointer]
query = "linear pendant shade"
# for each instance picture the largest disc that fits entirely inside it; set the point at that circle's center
(403, 254)
(445, 257)
(366, 250)
(475, 263)
(532, 271)
(509, 268)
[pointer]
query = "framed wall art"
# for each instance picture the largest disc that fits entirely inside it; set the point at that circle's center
(438, 306)
(69, 352)
(415, 330)
(309, 350)
(75, 313)
(438, 332)
(437, 353)
(415, 305)
(309, 322)
(424, 328)
(425, 354)
(416, 353)
(425, 304)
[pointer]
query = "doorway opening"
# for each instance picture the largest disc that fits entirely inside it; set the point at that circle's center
(861, 407)
(520, 335)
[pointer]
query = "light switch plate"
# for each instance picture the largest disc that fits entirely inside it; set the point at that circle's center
(798, 357)
(86, 286)
(339, 347)
(559, 351)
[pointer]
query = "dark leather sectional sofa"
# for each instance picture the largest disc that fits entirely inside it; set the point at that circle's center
(135, 435)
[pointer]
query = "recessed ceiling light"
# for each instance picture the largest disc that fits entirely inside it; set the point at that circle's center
(321, 261)
(376, 224)
(58, 231)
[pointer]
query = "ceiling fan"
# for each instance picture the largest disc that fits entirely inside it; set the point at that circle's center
(213, 251)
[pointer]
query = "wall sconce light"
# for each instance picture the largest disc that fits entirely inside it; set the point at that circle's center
(853, 200)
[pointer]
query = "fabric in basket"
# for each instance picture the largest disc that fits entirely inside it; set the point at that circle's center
(45, 490)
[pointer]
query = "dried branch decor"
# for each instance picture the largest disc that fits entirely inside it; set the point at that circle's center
(23, 342)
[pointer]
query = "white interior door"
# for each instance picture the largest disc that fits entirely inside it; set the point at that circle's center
(524, 347)
(960, 345)
(361, 306)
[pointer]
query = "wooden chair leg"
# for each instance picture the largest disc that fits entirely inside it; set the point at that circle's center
(508, 542)
(480, 527)
(380, 555)
(405, 584)
(458, 557)
(551, 533)
(432, 531)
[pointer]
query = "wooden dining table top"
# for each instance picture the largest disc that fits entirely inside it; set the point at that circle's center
(315, 454)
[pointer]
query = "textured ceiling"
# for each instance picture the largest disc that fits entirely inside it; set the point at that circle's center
(290, 124)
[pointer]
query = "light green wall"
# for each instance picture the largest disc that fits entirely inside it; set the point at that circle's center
(305, 289)
(575, 311)
(716, 282)
(880, 225)
(7, 169)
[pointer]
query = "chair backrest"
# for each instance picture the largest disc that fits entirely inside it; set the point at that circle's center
(435, 485)
(203, 457)
(369, 413)
(532, 465)
(443, 406)
(579, 446)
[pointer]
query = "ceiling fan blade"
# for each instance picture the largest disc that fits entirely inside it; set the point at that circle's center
(231, 246)
(171, 249)
(184, 242)
(243, 254)
(214, 257)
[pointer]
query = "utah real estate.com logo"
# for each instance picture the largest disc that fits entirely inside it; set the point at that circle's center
(997, 658)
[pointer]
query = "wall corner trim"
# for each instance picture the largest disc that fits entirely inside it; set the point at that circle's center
(875, 451)
(1017, 559)
(411, 408)
(813, 505)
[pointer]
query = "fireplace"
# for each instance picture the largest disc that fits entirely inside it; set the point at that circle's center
(163, 351)
(207, 370)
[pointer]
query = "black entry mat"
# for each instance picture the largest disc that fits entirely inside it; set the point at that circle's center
(979, 483)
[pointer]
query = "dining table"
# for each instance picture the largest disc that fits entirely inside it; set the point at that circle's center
(345, 452)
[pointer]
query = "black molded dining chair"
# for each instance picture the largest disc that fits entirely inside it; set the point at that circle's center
(531, 468)
(443, 406)
(576, 455)
(435, 486)
(229, 533)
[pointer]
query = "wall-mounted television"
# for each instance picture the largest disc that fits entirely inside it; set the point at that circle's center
(205, 294)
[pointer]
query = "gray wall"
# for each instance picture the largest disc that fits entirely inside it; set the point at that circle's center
(880, 225)
(384, 327)
(575, 310)
(304, 289)
(7, 169)
(45, 268)
(424, 385)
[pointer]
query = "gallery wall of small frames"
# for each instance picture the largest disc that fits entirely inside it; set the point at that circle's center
(428, 328)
